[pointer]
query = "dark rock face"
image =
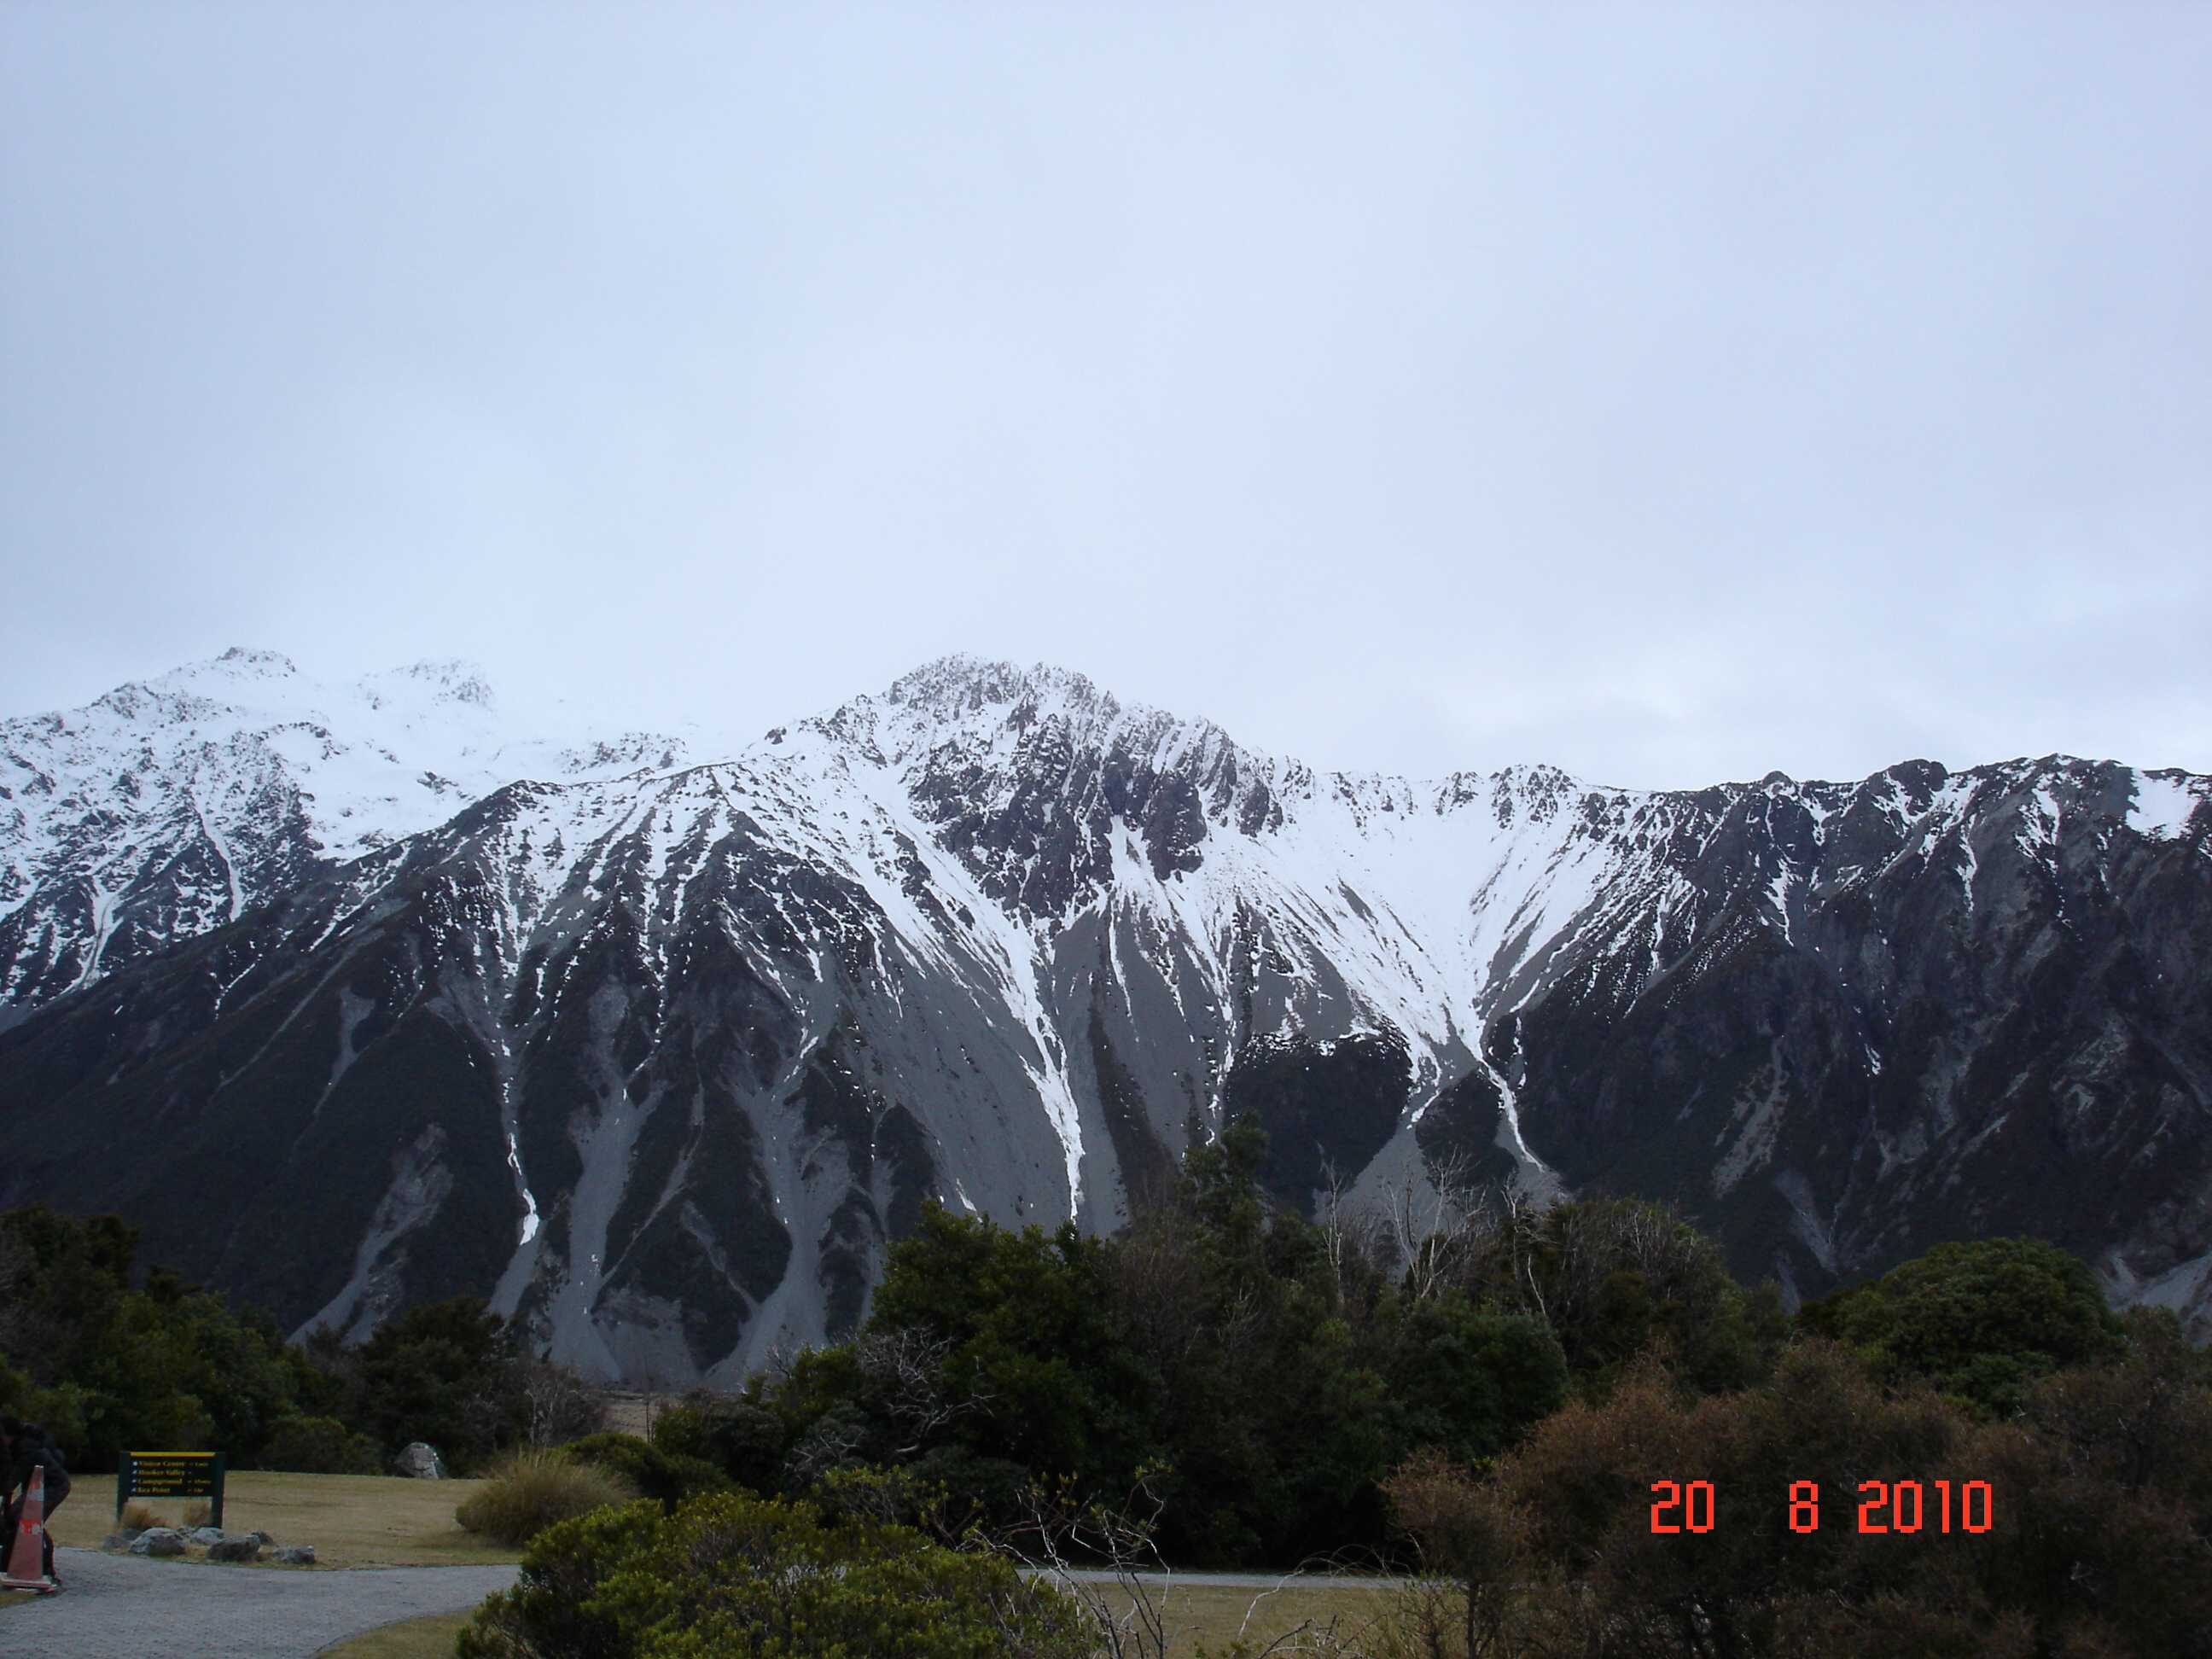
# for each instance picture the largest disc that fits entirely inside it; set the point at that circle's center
(664, 1063)
(1328, 1108)
(1038, 826)
(1974, 1030)
(1461, 1132)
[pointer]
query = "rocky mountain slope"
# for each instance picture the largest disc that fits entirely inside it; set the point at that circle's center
(661, 1043)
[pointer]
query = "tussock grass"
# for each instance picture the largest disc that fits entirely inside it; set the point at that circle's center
(527, 1492)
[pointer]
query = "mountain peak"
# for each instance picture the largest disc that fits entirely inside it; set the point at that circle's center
(241, 664)
(251, 660)
(447, 679)
(992, 937)
(961, 683)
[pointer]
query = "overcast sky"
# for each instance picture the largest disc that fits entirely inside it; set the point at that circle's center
(1670, 394)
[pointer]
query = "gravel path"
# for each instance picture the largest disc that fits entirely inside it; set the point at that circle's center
(126, 1607)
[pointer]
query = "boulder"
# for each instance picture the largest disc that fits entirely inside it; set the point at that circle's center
(296, 1555)
(158, 1541)
(422, 1460)
(262, 1539)
(234, 1549)
(205, 1536)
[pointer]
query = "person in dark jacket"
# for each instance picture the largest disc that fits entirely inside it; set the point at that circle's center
(24, 1447)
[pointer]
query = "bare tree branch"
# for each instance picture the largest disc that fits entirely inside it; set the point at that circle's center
(908, 1365)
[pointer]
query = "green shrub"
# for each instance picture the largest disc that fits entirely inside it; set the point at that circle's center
(65, 1412)
(318, 1445)
(448, 1372)
(2097, 1541)
(555, 1610)
(1982, 1322)
(669, 1476)
(15, 1389)
(743, 1440)
(729, 1574)
(163, 1364)
(992, 1492)
(527, 1492)
(682, 1429)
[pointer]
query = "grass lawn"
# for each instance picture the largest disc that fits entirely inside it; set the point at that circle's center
(1197, 1613)
(352, 1520)
(1209, 1614)
(414, 1638)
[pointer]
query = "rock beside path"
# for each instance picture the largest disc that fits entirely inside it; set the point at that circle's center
(234, 1548)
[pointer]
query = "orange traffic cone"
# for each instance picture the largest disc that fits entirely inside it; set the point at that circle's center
(26, 1565)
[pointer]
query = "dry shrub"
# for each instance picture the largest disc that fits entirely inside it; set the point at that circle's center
(199, 1514)
(138, 1518)
(1459, 1605)
(528, 1491)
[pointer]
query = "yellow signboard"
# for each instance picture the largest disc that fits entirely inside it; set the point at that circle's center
(170, 1475)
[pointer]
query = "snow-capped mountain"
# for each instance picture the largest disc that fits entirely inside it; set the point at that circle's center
(170, 807)
(661, 1046)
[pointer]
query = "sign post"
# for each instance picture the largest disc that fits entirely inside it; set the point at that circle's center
(169, 1474)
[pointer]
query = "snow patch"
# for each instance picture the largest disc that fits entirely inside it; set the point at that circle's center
(2163, 805)
(529, 1202)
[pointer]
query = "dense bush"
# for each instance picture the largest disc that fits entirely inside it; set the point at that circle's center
(741, 1437)
(1265, 1377)
(1261, 1376)
(1612, 1278)
(15, 1391)
(319, 1445)
(729, 1574)
(1982, 1322)
(2100, 1513)
(528, 1491)
(102, 1366)
(452, 1373)
(669, 1478)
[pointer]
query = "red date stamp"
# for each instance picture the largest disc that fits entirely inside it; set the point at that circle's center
(1885, 1506)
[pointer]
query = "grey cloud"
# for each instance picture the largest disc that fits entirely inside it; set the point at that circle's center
(1667, 393)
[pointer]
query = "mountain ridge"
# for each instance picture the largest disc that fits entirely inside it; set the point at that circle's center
(662, 1057)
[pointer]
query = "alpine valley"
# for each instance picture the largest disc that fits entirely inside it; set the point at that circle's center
(353, 997)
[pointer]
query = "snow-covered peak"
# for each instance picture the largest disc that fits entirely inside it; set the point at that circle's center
(242, 665)
(219, 783)
(963, 684)
(432, 681)
(168, 805)
(979, 703)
